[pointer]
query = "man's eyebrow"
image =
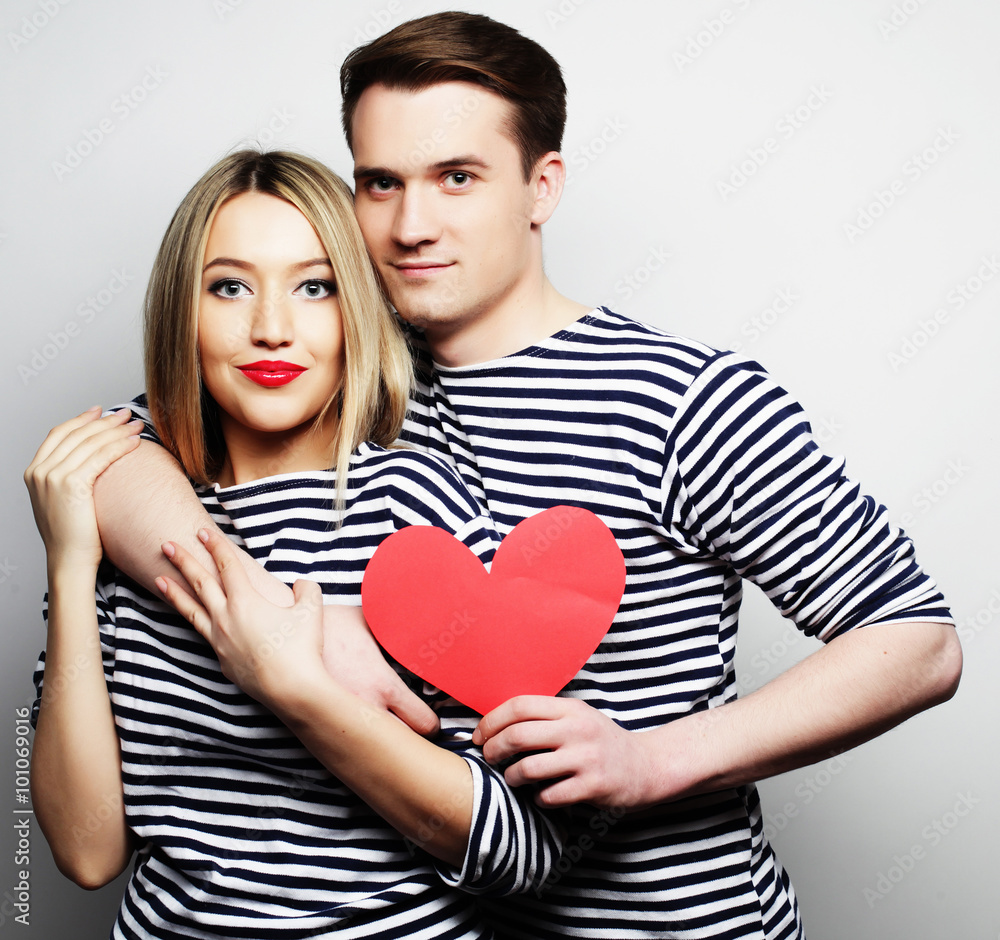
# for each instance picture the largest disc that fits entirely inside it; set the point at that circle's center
(465, 159)
(367, 172)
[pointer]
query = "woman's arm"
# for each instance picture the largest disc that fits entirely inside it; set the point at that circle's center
(76, 782)
(76, 779)
(275, 656)
(145, 498)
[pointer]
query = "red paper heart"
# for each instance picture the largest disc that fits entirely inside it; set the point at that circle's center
(525, 627)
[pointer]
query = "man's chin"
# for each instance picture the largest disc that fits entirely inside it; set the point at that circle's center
(423, 317)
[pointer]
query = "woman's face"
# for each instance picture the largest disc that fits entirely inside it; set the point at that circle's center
(270, 336)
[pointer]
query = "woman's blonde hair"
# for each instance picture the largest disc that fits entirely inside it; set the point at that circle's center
(373, 391)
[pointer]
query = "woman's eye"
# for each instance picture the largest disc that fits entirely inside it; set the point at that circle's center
(317, 289)
(229, 287)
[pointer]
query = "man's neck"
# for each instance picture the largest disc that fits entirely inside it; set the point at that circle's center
(526, 325)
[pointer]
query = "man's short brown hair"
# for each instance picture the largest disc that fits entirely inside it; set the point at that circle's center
(466, 47)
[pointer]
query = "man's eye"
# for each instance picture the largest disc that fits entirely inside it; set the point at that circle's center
(318, 289)
(382, 184)
(229, 287)
(458, 178)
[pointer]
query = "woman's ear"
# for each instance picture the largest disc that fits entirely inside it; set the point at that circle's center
(547, 181)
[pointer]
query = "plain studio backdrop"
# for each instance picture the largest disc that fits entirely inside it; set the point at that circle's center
(814, 182)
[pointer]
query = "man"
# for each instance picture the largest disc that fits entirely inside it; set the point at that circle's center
(703, 468)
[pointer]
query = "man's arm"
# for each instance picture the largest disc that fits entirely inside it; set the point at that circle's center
(861, 684)
(144, 499)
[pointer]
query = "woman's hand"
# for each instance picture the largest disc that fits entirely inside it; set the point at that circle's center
(60, 480)
(263, 648)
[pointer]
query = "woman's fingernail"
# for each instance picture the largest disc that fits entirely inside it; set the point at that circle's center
(168, 549)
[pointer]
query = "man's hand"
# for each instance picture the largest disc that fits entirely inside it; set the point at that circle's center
(353, 657)
(859, 685)
(584, 756)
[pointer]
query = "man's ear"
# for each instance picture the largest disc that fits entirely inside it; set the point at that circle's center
(547, 180)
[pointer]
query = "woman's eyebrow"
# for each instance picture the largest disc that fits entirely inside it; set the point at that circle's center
(229, 263)
(247, 266)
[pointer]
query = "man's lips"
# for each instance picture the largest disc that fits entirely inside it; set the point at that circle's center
(271, 372)
(420, 269)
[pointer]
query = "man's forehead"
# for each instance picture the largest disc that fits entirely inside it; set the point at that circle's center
(404, 129)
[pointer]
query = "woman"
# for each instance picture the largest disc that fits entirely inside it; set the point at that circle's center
(261, 797)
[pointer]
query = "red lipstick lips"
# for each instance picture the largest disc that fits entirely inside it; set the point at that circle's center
(271, 373)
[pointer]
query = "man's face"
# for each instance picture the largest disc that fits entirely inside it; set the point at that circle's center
(444, 207)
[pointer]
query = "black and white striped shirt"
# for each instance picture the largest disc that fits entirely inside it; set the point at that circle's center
(706, 472)
(241, 832)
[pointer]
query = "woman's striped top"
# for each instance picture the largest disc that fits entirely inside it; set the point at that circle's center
(240, 831)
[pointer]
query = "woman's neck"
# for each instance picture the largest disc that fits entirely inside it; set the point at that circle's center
(253, 455)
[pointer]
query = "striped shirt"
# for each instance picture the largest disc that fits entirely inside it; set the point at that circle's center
(241, 832)
(707, 473)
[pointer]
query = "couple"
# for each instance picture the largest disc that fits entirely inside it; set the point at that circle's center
(702, 467)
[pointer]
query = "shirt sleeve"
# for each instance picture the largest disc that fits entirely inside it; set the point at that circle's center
(513, 845)
(745, 482)
(106, 628)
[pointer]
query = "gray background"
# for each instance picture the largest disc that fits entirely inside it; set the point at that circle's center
(667, 101)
